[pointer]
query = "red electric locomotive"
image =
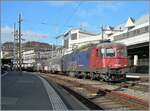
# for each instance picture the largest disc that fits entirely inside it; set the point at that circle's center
(107, 61)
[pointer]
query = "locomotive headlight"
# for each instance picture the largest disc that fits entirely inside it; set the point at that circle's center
(109, 66)
(117, 65)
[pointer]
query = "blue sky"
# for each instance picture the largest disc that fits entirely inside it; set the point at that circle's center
(43, 20)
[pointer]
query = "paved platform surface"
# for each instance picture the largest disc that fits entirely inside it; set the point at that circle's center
(138, 74)
(23, 92)
(29, 91)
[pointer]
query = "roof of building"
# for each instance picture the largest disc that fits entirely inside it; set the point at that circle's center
(108, 44)
(81, 31)
(87, 32)
(130, 22)
(139, 21)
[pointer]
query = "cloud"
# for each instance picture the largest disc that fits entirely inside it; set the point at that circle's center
(110, 5)
(84, 24)
(98, 7)
(33, 36)
(58, 3)
(7, 35)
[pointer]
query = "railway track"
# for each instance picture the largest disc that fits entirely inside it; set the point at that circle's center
(135, 85)
(104, 98)
(91, 105)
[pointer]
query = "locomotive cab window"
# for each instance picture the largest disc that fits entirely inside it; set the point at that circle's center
(123, 51)
(102, 52)
(110, 52)
(96, 52)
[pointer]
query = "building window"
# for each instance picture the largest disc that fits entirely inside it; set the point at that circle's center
(138, 31)
(124, 35)
(66, 42)
(146, 29)
(135, 32)
(123, 51)
(127, 34)
(74, 36)
(132, 33)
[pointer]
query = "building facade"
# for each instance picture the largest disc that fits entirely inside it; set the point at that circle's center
(7, 50)
(28, 58)
(75, 38)
(36, 58)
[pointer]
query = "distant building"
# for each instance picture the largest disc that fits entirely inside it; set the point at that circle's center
(33, 53)
(7, 50)
(33, 57)
(28, 58)
(75, 38)
(36, 45)
(7, 47)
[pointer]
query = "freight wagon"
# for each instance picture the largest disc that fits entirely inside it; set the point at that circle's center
(56, 64)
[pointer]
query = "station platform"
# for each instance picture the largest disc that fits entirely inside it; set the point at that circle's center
(143, 77)
(22, 91)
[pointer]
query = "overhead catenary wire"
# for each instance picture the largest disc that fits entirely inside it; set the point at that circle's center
(70, 17)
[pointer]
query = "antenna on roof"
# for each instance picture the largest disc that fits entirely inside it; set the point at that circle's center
(82, 27)
(120, 29)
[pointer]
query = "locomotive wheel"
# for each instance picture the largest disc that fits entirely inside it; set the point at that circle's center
(92, 75)
(104, 77)
(87, 76)
(72, 74)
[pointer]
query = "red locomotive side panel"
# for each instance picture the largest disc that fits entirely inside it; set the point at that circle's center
(95, 60)
(98, 59)
(115, 62)
(92, 63)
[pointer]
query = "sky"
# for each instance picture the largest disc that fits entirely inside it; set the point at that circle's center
(45, 20)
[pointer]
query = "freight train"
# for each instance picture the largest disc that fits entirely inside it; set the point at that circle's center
(106, 61)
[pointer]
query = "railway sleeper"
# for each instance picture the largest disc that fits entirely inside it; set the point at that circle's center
(128, 101)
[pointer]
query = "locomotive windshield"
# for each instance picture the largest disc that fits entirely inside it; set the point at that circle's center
(123, 51)
(102, 52)
(110, 52)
